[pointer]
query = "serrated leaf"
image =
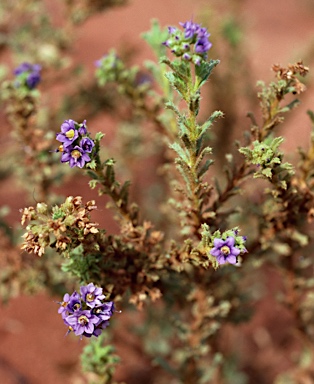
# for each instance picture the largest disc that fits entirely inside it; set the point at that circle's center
(283, 184)
(124, 192)
(186, 140)
(204, 168)
(246, 152)
(215, 115)
(93, 183)
(204, 70)
(290, 106)
(180, 151)
(276, 142)
(155, 37)
(110, 162)
(205, 151)
(169, 105)
(99, 136)
(92, 174)
(176, 83)
(267, 172)
(91, 164)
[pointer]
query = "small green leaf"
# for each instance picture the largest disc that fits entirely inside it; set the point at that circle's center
(267, 172)
(183, 154)
(99, 136)
(204, 70)
(91, 164)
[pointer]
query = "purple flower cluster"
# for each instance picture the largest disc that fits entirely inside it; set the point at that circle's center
(76, 145)
(27, 74)
(192, 44)
(86, 313)
(225, 251)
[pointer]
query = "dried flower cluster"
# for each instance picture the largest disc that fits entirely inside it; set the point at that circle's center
(290, 74)
(62, 228)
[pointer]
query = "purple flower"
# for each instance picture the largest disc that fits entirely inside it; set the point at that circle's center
(172, 30)
(82, 130)
(98, 63)
(33, 79)
(196, 60)
(74, 303)
(190, 29)
(85, 313)
(82, 322)
(29, 74)
(104, 311)
(225, 251)
(98, 329)
(62, 310)
(24, 67)
(75, 156)
(87, 144)
(181, 43)
(186, 56)
(92, 295)
(75, 143)
(68, 133)
(202, 45)
(69, 304)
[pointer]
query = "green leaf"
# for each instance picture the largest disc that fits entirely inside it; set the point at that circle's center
(124, 192)
(93, 183)
(155, 37)
(182, 153)
(169, 105)
(177, 83)
(246, 152)
(311, 115)
(215, 115)
(290, 106)
(267, 172)
(204, 168)
(91, 164)
(99, 136)
(110, 162)
(204, 70)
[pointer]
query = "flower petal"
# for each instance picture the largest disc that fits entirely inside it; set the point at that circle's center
(218, 243)
(215, 252)
(230, 241)
(234, 251)
(231, 259)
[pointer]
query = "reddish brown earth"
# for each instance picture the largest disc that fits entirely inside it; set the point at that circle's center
(33, 348)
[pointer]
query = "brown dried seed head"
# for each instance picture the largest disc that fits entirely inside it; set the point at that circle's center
(90, 228)
(77, 201)
(90, 205)
(27, 214)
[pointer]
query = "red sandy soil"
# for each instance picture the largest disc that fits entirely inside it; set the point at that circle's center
(33, 348)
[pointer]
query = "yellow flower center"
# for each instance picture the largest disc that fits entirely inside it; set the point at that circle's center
(225, 250)
(70, 134)
(90, 297)
(76, 154)
(83, 320)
